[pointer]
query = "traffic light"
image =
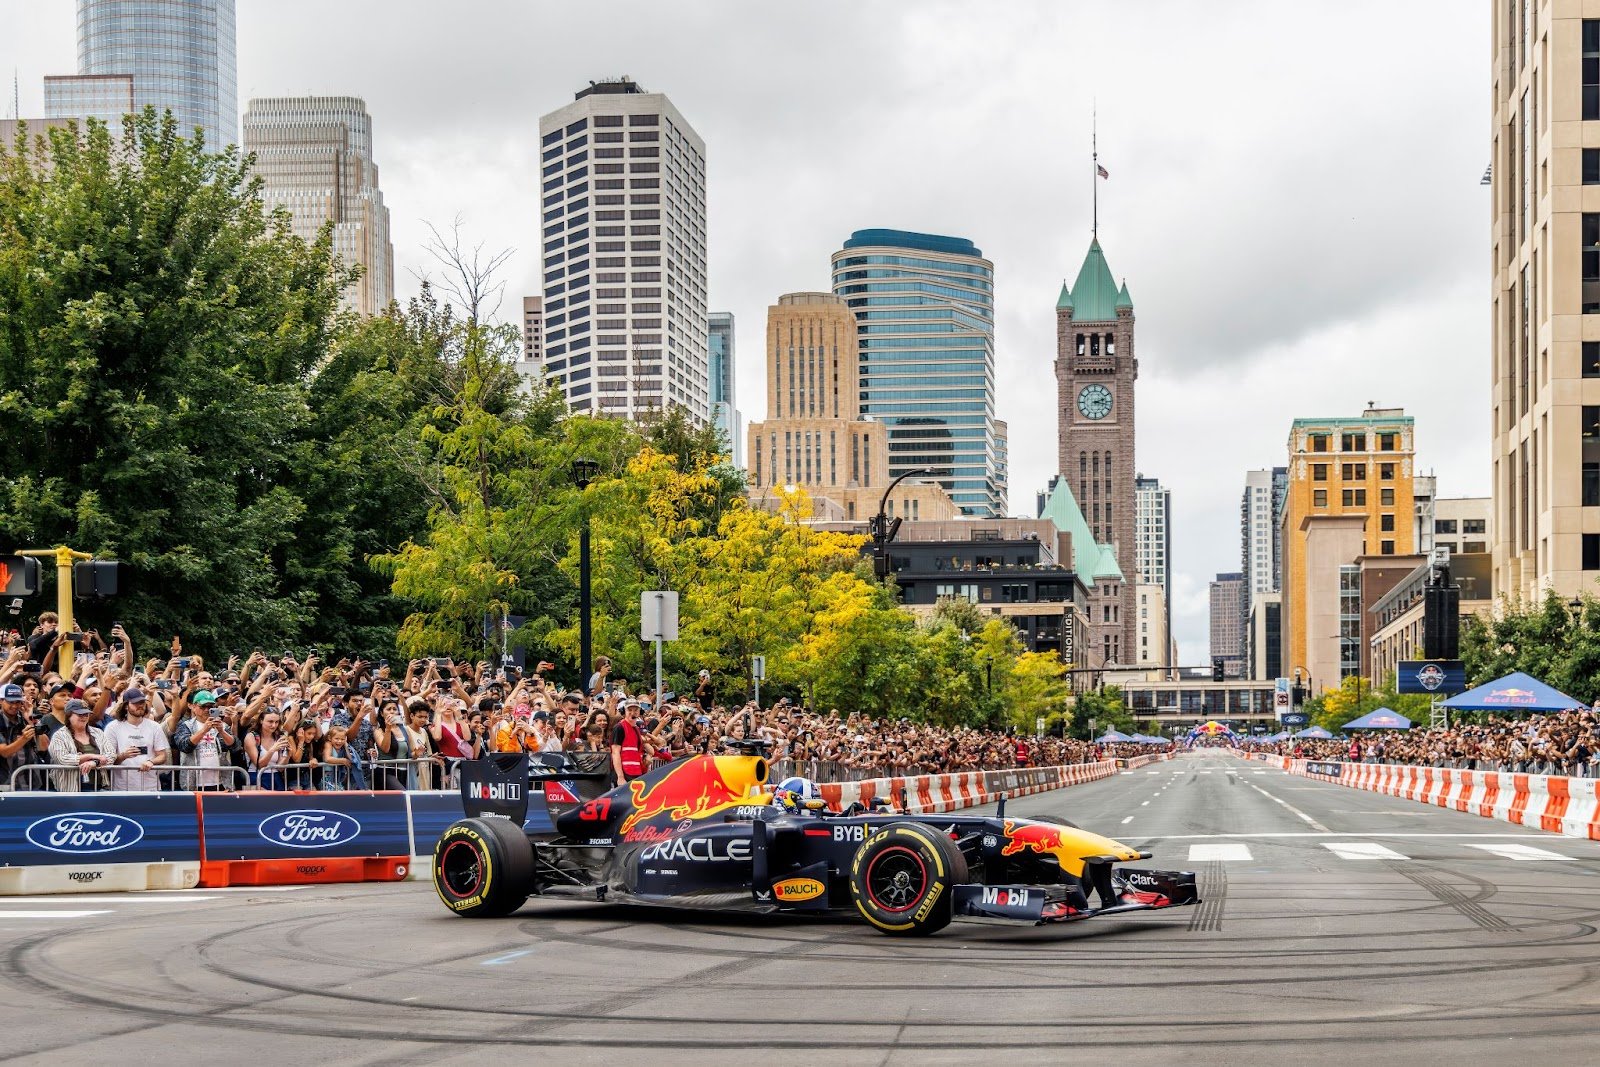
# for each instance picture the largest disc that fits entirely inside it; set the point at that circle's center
(19, 575)
(94, 578)
(894, 528)
(1216, 670)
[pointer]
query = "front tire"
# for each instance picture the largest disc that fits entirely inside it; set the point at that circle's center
(483, 868)
(903, 879)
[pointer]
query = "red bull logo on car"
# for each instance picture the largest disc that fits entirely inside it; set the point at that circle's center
(689, 790)
(1042, 838)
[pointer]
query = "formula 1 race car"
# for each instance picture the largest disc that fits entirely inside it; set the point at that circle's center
(702, 832)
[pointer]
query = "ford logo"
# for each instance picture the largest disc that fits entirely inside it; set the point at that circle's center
(309, 828)
(83, 832)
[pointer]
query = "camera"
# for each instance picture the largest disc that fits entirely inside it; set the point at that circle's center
(72, 635)
(443, 663)
(32, 667)
(181, 663)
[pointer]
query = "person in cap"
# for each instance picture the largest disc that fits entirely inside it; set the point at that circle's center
(203, 739)
(17, 734)
(54, 717)
(81, 752)
(140, 744)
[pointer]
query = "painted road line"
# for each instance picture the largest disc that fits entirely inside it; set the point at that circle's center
(1361, 850)
(1522, 853)
(507, 958)
(1144, 803)
(1127, 820)
(5, 914)
(125, 898)
(1152, 772)
(1314, 824)
(1230, 852)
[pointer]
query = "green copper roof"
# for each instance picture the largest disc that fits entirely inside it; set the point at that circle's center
(1094, 294)
(1123, 299)
(1065, 300)
(1091, 561)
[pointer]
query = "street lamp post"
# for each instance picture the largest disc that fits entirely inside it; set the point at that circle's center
(584, 471)
(883, 531)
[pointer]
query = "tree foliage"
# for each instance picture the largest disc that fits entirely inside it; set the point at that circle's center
(1555, 641)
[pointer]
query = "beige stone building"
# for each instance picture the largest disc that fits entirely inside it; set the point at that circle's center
(531, 365)
(1545, 231)
(815, 436)
(1153, 648)
(314, 157)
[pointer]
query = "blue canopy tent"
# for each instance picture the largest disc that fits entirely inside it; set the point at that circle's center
(1113, 735)
(1382, 719)
(1515, 692)
(1316, 733)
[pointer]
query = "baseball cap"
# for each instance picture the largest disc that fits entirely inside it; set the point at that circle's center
(541, 716)
(574, 696)
(77, 707)
(61, 687)
(204, 697)
(133, 696)
(11, 692)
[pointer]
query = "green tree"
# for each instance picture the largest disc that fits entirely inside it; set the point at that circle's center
(1554, 641)
(156, 333)
(1104, 707)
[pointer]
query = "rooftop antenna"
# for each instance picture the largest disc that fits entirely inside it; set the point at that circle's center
(16, 96)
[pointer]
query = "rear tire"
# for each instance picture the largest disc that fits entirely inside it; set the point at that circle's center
(483, 868)
(903, 879)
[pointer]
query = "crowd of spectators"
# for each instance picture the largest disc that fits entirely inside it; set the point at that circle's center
(110, 720)
(1561, 743)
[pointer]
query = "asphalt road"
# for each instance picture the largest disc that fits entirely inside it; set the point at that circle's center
(1339, 926)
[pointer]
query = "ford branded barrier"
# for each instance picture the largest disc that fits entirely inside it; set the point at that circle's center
(267, 826)
(67, 828)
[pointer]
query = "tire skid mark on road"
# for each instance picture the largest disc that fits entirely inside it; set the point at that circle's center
(1213, 894)
(1470, 906)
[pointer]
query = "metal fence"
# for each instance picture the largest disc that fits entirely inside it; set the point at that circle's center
(59, 778)
(425, 772)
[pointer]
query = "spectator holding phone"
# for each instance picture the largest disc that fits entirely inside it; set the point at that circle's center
(139, 743)
(266, 750)
(202, 739)
(17, 734)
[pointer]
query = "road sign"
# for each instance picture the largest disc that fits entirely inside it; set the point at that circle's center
(1438, 677)
(1280, 694)
(658, 615)
(19, 575)
(758, 667)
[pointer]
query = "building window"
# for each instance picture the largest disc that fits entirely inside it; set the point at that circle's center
(1386, 497)
(1319, 472)
(1591, 552)
(1353, 442)
(1319, 498)
(1474, 526)
(1591, 261)
(1591, 359)
(1386, 523)
(1474, 546)
(1591, 69)
(1591, 166)
(1319, 442)
(1388, 442)
(1591, 455)
(1444, 526)
(1354, 498)
(1353, 472)
(1386, 472)
(1386, 548)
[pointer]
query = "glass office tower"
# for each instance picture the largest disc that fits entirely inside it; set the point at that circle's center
(925, 308)
(179, 52)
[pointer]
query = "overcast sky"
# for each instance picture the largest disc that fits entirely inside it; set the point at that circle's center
(1293, 201)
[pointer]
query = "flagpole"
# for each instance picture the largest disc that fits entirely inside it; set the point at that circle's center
(1094, 173)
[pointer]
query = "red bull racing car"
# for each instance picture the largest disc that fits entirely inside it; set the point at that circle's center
(702, 832)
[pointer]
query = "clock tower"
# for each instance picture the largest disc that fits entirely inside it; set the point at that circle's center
(1095, 374)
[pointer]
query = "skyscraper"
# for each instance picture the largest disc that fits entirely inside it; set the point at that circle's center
(1095, 374)
(724, 411)
(814, 435)
(1152, 532)
(623, 187)
(1261, 540)
(925, 305)
(180, 54)
(1228, 623)
(314, 157)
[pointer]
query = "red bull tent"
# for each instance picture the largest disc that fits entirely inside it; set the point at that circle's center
(1382, 719)
(1514, 693)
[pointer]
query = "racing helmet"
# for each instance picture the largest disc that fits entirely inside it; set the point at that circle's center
(797, 794)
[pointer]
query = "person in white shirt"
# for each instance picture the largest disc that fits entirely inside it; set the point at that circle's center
(140, 745)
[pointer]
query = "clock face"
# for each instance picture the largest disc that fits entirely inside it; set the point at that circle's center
(1094, 402)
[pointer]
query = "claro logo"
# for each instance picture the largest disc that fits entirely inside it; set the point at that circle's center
(309, 829)
(82, 833)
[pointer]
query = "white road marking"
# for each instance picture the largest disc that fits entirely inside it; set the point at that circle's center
(1522, 853)
(1144, 803)
(1127, 820)
(1202, 772)
(1361, 850)
(1225, 852)
(123, 898)
(1258, 772)
(1152, 772)
(1314, 824)
(50, 914)
(508, 957)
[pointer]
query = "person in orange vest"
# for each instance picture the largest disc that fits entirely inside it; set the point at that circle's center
(1022, 753)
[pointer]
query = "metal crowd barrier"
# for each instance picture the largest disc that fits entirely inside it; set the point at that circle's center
(43, 777)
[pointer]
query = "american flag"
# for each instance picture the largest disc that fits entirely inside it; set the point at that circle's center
(1100, 172)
